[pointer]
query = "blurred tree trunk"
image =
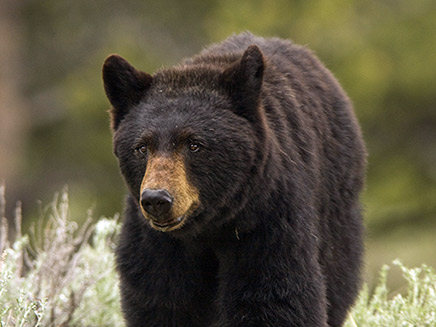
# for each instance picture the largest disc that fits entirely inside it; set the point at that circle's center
(13, 124)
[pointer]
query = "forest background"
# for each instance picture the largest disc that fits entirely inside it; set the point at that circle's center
(54, 126)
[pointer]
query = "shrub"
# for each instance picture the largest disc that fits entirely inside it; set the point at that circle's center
(59, 274)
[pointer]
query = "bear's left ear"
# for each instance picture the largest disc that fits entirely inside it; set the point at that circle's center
(243, 81)
(124, 85)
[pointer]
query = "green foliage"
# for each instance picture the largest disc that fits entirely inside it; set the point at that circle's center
(62, 275)
(381, 51)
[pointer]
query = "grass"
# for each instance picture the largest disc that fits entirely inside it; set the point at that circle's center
(61, 275)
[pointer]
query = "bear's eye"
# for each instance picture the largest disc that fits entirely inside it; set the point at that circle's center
(142, 149)
(194, 146)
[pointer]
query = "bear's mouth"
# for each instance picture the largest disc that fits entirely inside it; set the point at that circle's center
(168, 225)
(177, 223)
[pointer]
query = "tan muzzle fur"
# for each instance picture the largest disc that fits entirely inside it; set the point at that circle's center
(168, 173)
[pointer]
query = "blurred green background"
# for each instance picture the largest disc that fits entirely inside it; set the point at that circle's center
(54, 125)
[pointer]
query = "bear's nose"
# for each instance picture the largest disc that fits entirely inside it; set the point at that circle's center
(157, 203)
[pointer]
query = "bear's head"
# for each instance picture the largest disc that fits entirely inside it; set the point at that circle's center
(188, 139)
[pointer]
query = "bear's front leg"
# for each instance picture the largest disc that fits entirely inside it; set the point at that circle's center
(162, 284)
(270, 283)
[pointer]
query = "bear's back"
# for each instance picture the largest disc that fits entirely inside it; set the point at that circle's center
(282, 54)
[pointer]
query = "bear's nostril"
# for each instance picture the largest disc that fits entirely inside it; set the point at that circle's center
(156, 203)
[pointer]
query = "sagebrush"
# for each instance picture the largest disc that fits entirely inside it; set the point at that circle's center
(60, 274)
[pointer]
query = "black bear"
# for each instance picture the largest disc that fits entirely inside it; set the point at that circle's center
(244, 166)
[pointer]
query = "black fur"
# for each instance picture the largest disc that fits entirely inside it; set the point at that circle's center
(277, 239)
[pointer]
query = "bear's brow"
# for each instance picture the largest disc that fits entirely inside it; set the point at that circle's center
(184, 133)
(146, 136)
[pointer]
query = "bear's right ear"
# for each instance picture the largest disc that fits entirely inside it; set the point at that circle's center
(124, 85)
